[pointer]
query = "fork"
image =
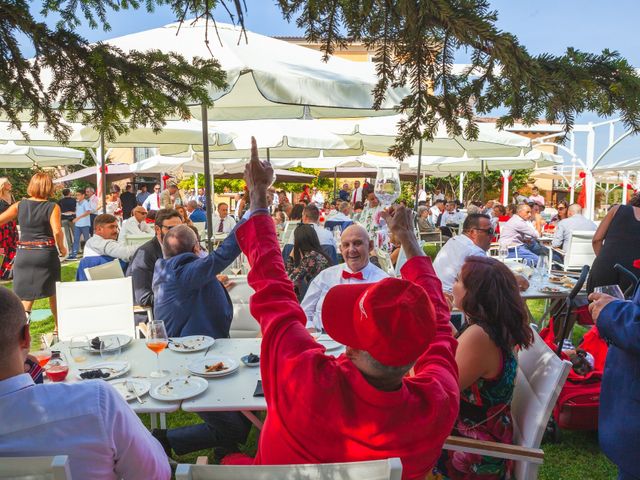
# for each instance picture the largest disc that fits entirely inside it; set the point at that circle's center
(132, 389)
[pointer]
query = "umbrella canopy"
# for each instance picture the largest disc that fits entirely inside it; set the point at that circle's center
(281, 176)
(17, 156)
(359, 172)
(115, 171)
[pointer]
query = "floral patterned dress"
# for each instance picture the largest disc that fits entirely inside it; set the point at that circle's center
(8, 243)
(485, 414)
(311, 264)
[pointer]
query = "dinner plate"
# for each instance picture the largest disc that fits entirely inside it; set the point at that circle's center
(192, 343)
(328, 343)
(115, 369)
(548, 289)
(140, 386)
(179, 388)
(199, 367)
(108, 340)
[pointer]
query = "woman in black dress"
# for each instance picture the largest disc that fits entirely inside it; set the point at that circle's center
(617, 240)
(36, 267)
(8, 231)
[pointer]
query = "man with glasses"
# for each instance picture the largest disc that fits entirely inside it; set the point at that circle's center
(88, 421)
(153, 201)
(143, 262)
(135, 225)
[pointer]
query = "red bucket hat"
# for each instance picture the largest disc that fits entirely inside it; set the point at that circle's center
(393, 320)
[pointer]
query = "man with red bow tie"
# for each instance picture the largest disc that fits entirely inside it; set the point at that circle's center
(355, 247)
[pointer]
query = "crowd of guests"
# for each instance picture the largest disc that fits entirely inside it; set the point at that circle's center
(408, 378)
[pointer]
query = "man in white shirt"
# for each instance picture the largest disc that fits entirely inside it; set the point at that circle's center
(574, 222)
(135, 225)
(88, 421)
(438, 195)
(317, 197)
(519, 234)
(105, 240)
(343, 214)
(355, 247)
(436, 211)
(90, 195)
(356, 195)
(153, 201)
(422, 195)
(311, 215)
(222, 221)
(451, 216)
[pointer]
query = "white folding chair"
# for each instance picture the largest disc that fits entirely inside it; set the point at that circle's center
(95, 308)
(541, 376)
(432, 237)
(390, 469)
(243, 325)
(35, 468)
(201, 226)
(137, 240)
(106, 271)
(579, 252)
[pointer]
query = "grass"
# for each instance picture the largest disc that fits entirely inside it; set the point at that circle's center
(576, 457)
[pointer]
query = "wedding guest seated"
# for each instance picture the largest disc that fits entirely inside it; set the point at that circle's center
(519, 235)
(536, 216)
(436, 211)
(354, 247)
(311, 216)
(88, 421)
(105, 240)
(575, 221)
(307, 258)
(196, 214)
(361, 405)
(342, 214)
(497, 326)
(424, 219)
(222, 221)
(135, 225)
(184, 215)
(143, 262)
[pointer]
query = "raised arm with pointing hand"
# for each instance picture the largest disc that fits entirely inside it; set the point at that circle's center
(258, 175)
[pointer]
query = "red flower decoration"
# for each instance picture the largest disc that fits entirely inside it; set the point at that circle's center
(636, 263)
(582, 174)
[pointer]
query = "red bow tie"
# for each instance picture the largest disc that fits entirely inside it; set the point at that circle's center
(346, 275)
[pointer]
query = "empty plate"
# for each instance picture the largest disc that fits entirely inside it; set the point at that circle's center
(179, 388)
(193, 343)
(140, 387)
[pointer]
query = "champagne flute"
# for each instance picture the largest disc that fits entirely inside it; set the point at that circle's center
(157, 341)
(387, 187)
(613, 290)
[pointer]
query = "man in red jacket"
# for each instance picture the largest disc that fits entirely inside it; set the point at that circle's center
(361, 405)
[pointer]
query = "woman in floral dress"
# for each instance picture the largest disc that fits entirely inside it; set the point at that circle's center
(307, 258)
(497, 326)
(8, 231)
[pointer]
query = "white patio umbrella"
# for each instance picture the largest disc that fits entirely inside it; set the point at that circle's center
(18, 156)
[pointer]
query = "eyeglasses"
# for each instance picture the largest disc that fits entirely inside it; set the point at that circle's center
(488, 231)
(562, 208)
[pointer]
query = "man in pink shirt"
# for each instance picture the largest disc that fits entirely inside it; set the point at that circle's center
(362, 405)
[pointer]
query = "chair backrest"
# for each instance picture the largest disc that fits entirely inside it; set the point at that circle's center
(331, 252)
(95, 308)
(201, 226)
(90, 262)
(137, 240)
(106, 271)
(431, 236)
(541, 376)
(390, 469)
(35, 468)
(243, 325)
(580, 250)
(289, 227)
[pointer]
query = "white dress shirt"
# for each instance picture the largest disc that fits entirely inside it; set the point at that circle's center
(451, 257)
(435, 213)
(318, 199)
(338, 217)
(153, 202)
(228, 223)
(88, 421)
(356, 195)
(131, 226)
(324, 236)
(330, 277)
(448, 218)
(516, 231)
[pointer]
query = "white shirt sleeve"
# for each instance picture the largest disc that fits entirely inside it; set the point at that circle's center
(117, 250)
(312, 305)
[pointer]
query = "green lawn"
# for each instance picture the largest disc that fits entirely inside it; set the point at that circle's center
(575, 457)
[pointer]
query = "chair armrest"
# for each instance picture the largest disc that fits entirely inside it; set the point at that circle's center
(494, 449)
(202, 460)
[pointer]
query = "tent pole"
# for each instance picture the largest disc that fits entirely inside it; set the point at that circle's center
(335, 182)
(103, 174)
(415, 206)
(482, 181)
(207, 176)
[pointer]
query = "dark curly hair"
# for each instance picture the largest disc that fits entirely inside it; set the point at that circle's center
(492, 301)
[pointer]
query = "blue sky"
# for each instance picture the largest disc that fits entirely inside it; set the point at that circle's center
(541, 26)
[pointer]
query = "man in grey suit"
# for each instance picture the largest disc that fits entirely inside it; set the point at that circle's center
(575, 221)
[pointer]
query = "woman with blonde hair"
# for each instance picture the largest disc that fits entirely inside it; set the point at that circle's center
(8, 232)
(37, 266)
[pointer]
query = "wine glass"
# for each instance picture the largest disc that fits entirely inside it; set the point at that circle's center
(387, 186)
(503, 253)
(157, 341)
(57, 368)
(78, 348)
(110, 348)
(613, 290)
(42, 356)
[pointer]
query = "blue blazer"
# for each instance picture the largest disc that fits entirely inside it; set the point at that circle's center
(619, 418)
(188, 296)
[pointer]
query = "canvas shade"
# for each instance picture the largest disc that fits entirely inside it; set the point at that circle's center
(19, 156)
(115, 171)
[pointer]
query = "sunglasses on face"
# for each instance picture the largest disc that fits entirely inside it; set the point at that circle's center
(488, 231)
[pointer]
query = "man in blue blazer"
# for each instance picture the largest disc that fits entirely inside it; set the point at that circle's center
(618, 322)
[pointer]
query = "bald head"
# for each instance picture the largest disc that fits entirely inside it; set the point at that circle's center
(574, 209)
(180, 239)
(12, 323)
(355, 247)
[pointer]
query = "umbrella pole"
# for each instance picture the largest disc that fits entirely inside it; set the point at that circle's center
(335, 182)
(415, 206)
(482, 181)
(103, 174)
(207, 176)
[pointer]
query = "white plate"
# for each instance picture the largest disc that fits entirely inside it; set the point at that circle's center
(124, 340)
(179, 388)
(328, 343)
(199, 366)
(193, 343)
(140, 386)
(121, 368)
